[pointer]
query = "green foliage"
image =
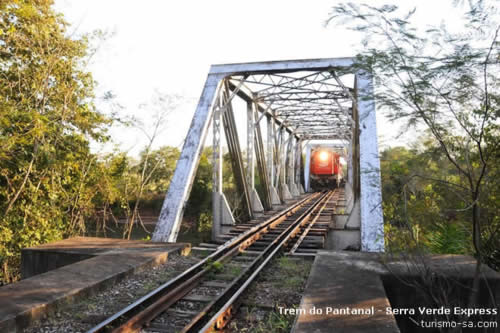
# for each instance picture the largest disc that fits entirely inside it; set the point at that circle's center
(234, 198)
(205, 222)
(200, 200)
(447, 83)
(398, 239)
(47, 173)
(277, 322)
(213, 268)
(449, 238)
(160, 165)
(216, 266)
(274, 322)
(233, 270)
(423, 211)
(296, 272)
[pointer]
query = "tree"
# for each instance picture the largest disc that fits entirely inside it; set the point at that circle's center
(46, 121)
(160, 108)
(447, 83)
(410, 193)
(200, 198)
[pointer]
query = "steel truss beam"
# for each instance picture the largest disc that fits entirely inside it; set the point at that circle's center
(306, 100)
(262, 167)
(172, 210)
(233, 144)
(301, 99)
(252, 149)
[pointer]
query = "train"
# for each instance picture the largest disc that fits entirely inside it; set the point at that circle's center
(326, 169)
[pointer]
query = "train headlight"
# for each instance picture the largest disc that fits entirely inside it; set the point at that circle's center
(323, 156)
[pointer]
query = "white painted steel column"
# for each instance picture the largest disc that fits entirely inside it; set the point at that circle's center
(250, 143)
(307, 169)
(221, 213)
(254, 196)
(217, 170)
(275, 200)
(283, 159)
(291, 160)
(372, 220)
(292, 183)
(285, 151)
(169, 222)
(349, 192)
(217, 148)
(298, 167)
(270, 149)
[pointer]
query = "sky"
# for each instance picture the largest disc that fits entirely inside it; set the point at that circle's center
(167, 47)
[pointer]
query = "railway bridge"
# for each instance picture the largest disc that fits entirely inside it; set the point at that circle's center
(289, 107)
(299, 106)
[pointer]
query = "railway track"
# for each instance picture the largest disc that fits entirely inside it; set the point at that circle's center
(203, 298)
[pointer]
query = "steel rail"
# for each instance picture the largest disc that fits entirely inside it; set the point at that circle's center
(162, 304)
(310, 225)
(179, 286)
(222, 316)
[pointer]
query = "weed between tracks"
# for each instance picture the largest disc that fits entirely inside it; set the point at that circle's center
(257, 320)
(233, 271)
(281, 284)
(214, 267)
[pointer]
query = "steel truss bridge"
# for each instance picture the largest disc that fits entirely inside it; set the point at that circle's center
(299, 103)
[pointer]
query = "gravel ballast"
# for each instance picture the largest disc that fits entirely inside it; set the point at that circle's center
(87, 312)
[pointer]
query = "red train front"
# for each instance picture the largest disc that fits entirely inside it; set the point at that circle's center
(326, 170)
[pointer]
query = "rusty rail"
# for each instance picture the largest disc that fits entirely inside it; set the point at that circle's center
(132, 317)
(221, 317)
(310, 225)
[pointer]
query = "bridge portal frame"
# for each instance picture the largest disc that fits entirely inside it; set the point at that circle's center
(364, 147)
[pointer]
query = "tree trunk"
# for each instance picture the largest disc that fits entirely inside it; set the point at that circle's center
(476, 239)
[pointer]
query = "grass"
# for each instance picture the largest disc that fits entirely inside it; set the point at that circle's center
(79, 315)
(233, 270)
(148, 286)
(91, 306)
(294, 282)
(280, 284)
(214, 267)
(202, 253)
(295, 265)
(273, 322)
(277, 322)
(287, 264)
(295, 272)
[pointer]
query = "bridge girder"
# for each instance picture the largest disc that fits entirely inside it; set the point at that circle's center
(302, 100)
